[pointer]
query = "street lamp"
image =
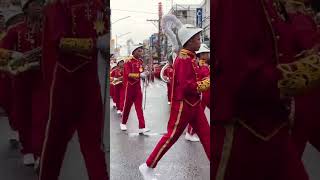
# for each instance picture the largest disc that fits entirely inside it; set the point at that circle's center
(120, 19)
(117, 37)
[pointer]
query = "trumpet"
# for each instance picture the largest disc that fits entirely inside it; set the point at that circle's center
(117, 81)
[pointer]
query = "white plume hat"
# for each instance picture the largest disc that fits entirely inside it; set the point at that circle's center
(11, 12)
(136, 46)
(185, 32)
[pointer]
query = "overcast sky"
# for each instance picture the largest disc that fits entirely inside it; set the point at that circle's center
(137, 22)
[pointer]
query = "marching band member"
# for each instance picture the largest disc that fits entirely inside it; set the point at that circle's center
(252, 111)
(25, 37)
(6, 83)
(305, 123)
(186, 103)
(204, 72)
(118, 85)
(132, 72)
(168, 74)
(75, 97)
(112, 89)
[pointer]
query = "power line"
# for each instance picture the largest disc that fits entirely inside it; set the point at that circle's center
(143, 12)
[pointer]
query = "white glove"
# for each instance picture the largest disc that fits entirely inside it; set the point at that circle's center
(143, 75)
(102, 42)
(16, 55)
(32, 65)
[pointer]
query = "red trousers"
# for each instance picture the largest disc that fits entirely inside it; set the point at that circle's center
(238, 154)
(6, 97)
(40, 114)
(206, 99)
(181, 114)
(133, 94)
(75, 105)
(122, 96)
(306, 125)
(112, 91)
(24, 89)
(190, 130)
(32, 101)
(117, 95)
(169, 91)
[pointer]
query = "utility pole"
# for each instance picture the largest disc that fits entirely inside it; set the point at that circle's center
(160, 32)
(155, 21)
(158, 21)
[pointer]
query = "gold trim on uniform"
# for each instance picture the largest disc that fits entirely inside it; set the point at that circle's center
(297, 2)
(5, 55)
(184, 54)
(44, 147)
(226, 152)
(74, 69)
(300, 75)
(99, 26)
(172, 134)
(259, 135)
(125, 99)
(192, 104)
(134, 75)
(82, 45)
(203, 85)
(2, 34)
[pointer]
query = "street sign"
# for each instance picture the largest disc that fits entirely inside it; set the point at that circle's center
(199, 17)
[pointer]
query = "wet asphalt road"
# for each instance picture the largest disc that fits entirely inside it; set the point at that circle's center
(184, 161)
(11, 167)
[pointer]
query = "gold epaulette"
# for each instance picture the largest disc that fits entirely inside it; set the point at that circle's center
(183, 55)
(300, 75)
(203, 85)
(5, 54)
(127, 59)
(2, 35)
(81, 45)
(134, 75)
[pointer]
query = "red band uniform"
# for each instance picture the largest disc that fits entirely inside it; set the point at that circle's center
(132, 90)
(118, 86)
(75, 97)
(251, 121)
(5, 93)
(186, 108)
(26, 90)
(112, 85)
(204, 72)
(306, 123)
(168, 72)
